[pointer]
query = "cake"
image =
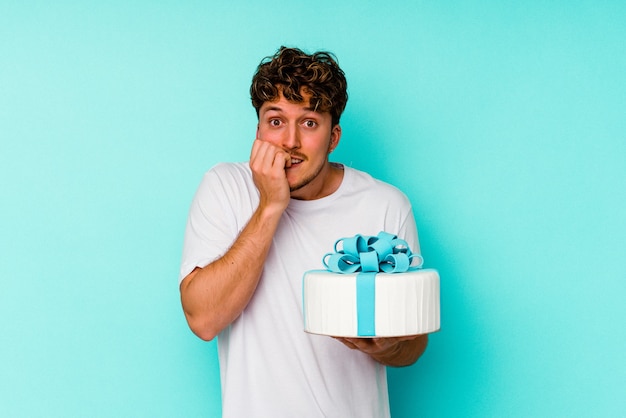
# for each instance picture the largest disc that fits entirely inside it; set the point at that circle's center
(370, 289)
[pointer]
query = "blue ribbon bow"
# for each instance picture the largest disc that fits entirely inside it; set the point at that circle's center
(368, 255)
(384, 252)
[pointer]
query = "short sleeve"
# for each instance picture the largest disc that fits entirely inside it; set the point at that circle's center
(215, 217)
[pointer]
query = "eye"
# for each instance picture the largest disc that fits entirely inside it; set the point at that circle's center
(310, 123)
(274, 122)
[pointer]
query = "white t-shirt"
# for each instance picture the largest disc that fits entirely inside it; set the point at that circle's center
(269, 366)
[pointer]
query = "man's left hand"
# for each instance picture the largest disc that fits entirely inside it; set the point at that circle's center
(390, 351)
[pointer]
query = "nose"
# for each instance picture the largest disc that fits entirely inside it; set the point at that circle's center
(291, 138)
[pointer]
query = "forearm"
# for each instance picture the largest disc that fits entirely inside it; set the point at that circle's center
(214, 296)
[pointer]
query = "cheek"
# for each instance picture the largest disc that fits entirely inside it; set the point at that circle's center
(268, 135)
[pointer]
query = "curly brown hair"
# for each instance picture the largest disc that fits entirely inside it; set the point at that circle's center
(293, 72)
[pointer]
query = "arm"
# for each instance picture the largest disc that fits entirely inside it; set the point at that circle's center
(391, 351)
(214, 296)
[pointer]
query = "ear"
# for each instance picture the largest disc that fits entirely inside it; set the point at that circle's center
(335, 136)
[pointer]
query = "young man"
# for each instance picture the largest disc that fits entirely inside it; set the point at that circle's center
(255, 228)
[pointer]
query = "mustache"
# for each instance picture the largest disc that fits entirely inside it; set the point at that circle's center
(295, 154)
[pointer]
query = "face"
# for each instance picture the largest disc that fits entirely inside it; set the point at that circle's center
(308, 136)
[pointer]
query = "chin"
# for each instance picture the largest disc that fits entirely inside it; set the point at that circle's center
(297, 186)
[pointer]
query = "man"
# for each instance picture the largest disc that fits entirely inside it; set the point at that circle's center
(255, 228)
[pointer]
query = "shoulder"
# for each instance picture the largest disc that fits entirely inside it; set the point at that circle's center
(234, 171)
(229, 181)
(228, 175)
(227, 190)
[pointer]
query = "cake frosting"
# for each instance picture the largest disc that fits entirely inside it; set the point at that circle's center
(372, 287)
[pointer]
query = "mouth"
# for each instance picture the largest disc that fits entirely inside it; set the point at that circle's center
(295, 161)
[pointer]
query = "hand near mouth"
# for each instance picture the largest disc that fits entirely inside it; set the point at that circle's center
(268, 164)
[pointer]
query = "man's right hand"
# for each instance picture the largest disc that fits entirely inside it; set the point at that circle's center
(268, 163)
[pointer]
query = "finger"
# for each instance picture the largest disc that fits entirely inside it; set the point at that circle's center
(287, 160)
(395, 340)
(262, 157)
(268, 155)
(281, 159)
(346, 342)
(363, 344)
(257, 155)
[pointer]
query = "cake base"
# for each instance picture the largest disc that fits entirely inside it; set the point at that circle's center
(402, 304)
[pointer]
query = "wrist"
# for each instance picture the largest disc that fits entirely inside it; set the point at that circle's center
(269, 212)
(273, 207)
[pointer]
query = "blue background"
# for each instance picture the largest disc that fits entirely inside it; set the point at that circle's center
(502, 121)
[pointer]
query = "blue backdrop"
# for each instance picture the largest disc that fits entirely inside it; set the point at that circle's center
(503, 122)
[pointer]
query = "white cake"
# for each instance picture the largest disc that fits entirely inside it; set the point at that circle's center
(395, 305)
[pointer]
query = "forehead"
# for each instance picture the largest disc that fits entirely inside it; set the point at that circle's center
(282, 105)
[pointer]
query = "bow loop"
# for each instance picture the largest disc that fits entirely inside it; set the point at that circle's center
(341, 263)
